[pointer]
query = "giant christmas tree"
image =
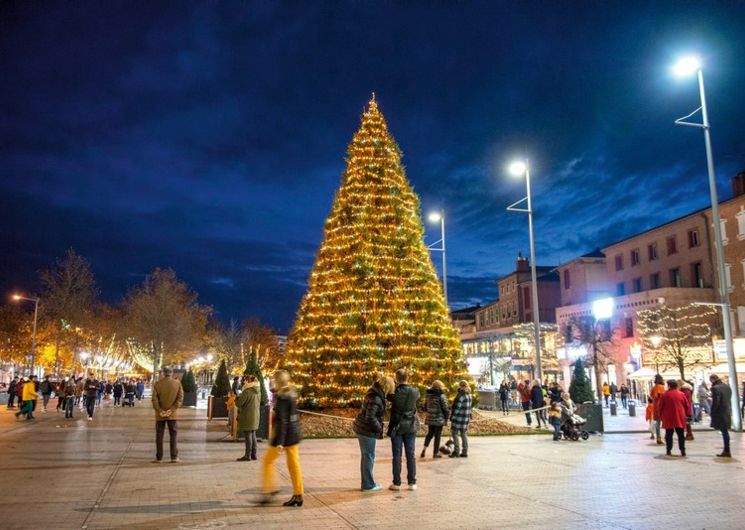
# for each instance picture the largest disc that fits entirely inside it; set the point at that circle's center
(374, 302)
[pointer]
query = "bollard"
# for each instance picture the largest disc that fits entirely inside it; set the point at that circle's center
(632, 408)
(613, 409)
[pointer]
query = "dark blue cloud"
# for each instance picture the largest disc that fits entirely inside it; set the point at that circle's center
(210, 137)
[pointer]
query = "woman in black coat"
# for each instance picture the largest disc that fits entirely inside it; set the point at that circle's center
(537, 401)
(368, 426)
(438, 412)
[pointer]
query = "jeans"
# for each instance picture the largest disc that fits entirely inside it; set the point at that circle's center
(46, 398)
(90, 404)
(725, 439)
(250, 438)
(657, 424)
(539, 415)
(160, 427)
(624, 401)
(505, 407)
(11, 400)
(433, 431)
(457, 435)
(117, 400)
(69, 405)
(526, 406)
(681, 439)
(268, 473)
(407, 442)
(556, 422)
(367, 460)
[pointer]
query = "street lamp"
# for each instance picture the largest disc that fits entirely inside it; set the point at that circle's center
(519, 168)
(687, 66)
(35, 300)
(439, 217)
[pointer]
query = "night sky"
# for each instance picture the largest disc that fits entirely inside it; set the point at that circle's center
(210, 136)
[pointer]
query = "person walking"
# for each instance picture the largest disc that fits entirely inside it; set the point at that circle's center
(554, 418)
(704, 400)
(721, 411)
(91, 386)
(79, 383)
(688, 391)
(624, 396)
(402, 429)
(46, 387)
(248, 415)
(524, 390)
(29, 398)
(504, 397)
(59, 391)
(537, 402)
(68, 393)
(657, 390)
(460, 418)
(167, 398)
(673, 406)
(649, 416)
(140, 389)
(117, 391)
(12, 393)
(606, 392)
(436, 407)
(368, 426)
(285, 437)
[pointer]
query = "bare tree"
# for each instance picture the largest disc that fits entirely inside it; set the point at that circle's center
(69, 295)
(260, 339)
(598, 336)
(164, 319)
(678, 336)
(227, 342)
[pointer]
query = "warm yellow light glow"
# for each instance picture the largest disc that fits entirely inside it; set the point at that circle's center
(435, 217)
(656, 341)
(518, 168)
(16, 297)
(686, 66)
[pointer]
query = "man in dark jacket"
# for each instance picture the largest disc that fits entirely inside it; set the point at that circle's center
(46, 388)
(12, 392)
(537, 401)
(368, 426)
(721, 410)
(90, 387)
(402, 429)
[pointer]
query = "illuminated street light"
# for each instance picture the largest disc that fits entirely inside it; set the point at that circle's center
(17, 297)
(439, 217)
(602, 309)
(686, 67)
(520, 168)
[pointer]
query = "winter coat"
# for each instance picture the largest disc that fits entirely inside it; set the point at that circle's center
(248, 407)
(504, 393)
(606, 390)
(404, 419)
(436, 407)
(167, 395)
(524, 391)
(91, 388)
(79, 387)
(46, 388)
(69, 390)
(554, 395)
(672, 407)
(286, 420)
(721, 405)
(12, 387)
(536, 397)
(460, 416)
(369, 421)
(29, 391)
(657, 391)
(118, 390)
(689, 396)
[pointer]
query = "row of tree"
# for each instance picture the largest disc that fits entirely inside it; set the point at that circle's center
(159, 321)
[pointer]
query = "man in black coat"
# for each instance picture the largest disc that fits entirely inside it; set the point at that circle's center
(537, 401)
(721, 410)
(402, 429)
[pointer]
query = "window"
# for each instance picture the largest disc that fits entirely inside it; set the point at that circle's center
(742, 264)
(637, 285)
(740, 223)
(654, 280)
(567, 280)
(635, 257)
(675, 277)
(697, 275)
(628, 325)
(693, 238)
(672, 245)
(728, 275)
(526, 297)
(569, 335)
(741, 318)
(652, 251)
(619, 262)
(620, 289)
(723, 228)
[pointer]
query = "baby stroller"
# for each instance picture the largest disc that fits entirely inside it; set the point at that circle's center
(571, 425)
(129, 397)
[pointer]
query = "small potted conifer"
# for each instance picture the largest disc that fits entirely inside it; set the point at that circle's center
(189, 384)
(217, 406)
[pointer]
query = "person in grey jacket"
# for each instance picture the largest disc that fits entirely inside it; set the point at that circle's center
(438, 412)
(402, 429)
(721, 410)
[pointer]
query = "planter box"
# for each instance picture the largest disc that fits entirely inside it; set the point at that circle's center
(217, 407)
(190, 399)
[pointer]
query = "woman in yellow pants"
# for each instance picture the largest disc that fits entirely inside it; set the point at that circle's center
(285, 436)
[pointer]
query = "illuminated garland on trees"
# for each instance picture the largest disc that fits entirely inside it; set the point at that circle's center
(374, 302)
(678, 336)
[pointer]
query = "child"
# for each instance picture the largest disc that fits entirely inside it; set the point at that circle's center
(649, 416)
(554, 418)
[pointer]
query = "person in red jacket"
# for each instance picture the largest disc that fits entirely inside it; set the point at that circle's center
(673, 406)
(524, 390)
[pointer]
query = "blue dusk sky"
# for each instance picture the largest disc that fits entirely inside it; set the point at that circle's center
(210, 136)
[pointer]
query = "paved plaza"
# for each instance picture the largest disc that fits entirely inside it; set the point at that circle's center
(60, 474)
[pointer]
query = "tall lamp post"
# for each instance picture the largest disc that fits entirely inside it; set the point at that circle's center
(439, 217)
(35, 300)
(518, 169)
(687, 66)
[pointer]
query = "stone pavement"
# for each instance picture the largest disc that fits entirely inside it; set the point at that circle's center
(59, 474)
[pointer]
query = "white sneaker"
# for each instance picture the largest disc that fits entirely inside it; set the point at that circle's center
(394, 487)
(90, 419)
(412, 487)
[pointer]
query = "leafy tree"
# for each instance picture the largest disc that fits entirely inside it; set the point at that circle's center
(15, 333)
(677, 336)
(189, 382)
(254, 368)
(221, 388)
(580, 389)
(164, 319)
